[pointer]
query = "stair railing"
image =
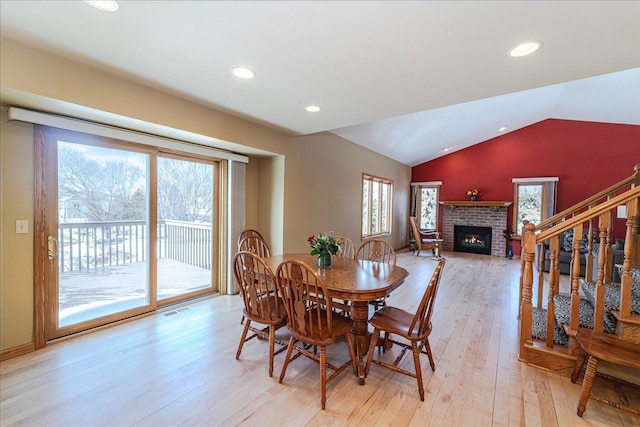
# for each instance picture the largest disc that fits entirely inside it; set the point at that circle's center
(593, 235)
(534, 235)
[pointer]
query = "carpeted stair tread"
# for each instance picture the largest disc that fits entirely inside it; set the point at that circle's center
(611, 302)
(539, 328)
(563, 311)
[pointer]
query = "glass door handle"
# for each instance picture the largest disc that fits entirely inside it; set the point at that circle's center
(52, 247)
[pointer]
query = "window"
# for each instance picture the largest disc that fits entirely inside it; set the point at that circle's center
(534, 200)
(377, 195)
(425, 204)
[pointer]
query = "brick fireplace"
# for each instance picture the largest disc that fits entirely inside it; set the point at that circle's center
(491, 214)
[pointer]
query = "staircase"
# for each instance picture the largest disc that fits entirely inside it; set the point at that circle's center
(546, 333)
(586, 311)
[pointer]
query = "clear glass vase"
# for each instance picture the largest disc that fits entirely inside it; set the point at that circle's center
(324, 260)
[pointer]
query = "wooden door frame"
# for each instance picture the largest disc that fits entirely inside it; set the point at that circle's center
(46, 212)
(43, 267)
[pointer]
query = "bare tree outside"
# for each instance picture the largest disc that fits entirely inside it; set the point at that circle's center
(99, 189)
(112, 189)
(428, 207)
(529, 205)
(104, 239)
(185, 190)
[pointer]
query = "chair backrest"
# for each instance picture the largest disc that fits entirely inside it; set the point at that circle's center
(307, 302)
(255, 245)
(248, 233)
(346, 248)
(257, 285)
(422, 234)
(416, 234)
(422, 318)
(376, 250)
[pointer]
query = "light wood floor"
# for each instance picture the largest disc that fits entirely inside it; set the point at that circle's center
(179, 368)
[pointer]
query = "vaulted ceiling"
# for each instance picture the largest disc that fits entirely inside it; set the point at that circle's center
(403, 78)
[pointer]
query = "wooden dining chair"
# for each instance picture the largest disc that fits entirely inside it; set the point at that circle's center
(414, 328)
(378, 251)
(425, 239)
(249, 232)
(346, 248)
(256, 245)
(311, 321)
(261, 301)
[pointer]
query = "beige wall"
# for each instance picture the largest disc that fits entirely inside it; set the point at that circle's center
(309, 184)
(324, 185)
(16, 250)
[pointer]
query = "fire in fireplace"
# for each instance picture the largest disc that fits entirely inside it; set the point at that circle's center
(471, 239)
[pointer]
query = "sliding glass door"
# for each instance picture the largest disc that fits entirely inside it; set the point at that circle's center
(121, 229)
(185, 227)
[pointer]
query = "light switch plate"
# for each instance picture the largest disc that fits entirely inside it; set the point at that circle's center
(22, 226)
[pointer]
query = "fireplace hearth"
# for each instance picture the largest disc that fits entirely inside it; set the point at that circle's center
(472, 239)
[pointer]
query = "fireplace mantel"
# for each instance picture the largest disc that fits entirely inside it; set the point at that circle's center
(479, 203)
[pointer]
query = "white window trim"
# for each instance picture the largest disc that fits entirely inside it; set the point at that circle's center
(544, 179)
(414, 201)
(390, 183)
(427, 184)
(533, 180)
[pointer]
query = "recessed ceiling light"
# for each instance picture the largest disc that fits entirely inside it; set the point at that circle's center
(446, 149)
(312, 108)
(243, 73)
(524, 49)
(502, 128)
(106, 5)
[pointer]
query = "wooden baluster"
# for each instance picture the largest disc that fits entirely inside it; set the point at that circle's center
(528, 251)
(554, 264)
(608, 249)
(634, 214)
(588, 268)
(540, 285)
(598, 314)
(554, 247)
(575, 283)
(633, 228)
(521, 284)
(541, 261)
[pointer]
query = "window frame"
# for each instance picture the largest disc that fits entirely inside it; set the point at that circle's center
(548, 202)
(46, 286)
(417, 202)
(366, 220)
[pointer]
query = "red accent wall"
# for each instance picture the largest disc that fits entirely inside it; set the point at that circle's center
(586, 156)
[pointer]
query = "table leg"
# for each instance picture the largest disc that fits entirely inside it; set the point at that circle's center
(360, 316)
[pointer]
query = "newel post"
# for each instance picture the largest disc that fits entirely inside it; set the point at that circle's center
(633, 215)
(528, 254)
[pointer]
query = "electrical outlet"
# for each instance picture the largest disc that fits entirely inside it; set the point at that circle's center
(22, 226)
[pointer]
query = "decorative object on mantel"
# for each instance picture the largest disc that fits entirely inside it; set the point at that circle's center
(473, 194)
(324, 245)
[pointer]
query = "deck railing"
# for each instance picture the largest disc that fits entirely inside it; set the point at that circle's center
(93, 245)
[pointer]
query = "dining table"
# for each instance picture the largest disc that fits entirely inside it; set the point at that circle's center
(357, 281)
